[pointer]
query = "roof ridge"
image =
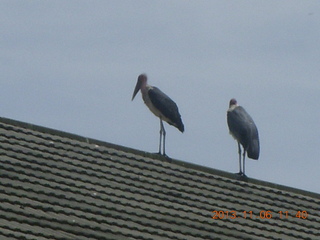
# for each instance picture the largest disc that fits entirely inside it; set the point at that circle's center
(160, 158)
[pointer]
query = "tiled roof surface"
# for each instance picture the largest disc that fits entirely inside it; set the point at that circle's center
(56, 185)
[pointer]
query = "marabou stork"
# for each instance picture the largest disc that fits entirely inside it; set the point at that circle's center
(244, 130)
(160, 105)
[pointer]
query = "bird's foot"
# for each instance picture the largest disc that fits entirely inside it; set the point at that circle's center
(241, 176)
(169, 159)
(160, 153)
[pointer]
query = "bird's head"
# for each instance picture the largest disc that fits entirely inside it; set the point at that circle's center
(142, 81)
(233, 102)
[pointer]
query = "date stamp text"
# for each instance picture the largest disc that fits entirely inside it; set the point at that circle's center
(264, 214)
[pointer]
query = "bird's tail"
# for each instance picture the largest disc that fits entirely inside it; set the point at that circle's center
(254, 149)
(180, 126)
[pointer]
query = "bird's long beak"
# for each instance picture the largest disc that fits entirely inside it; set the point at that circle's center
(136, 90)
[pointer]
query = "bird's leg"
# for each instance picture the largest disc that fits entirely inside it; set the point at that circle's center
(244, 158)
(239, 151)
(161, 130)
(164, 139)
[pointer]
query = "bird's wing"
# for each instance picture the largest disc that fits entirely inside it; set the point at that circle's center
(243, 128)
(236, 122)
(166, 106)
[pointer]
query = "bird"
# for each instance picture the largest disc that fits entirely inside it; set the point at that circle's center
(160, 105)
(244, 130)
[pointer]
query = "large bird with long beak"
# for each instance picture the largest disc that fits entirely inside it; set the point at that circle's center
(244, 130)
(161, 105)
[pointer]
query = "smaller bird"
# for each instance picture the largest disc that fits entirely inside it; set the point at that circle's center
(244, 130)
(160, 105)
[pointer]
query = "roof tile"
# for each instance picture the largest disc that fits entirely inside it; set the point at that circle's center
(56, 185)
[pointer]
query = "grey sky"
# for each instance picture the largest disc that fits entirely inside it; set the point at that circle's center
(73, 65)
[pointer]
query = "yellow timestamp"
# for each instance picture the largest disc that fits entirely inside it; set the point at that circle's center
(264, 214)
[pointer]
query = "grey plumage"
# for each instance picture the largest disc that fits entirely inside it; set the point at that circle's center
(167, 107)
(244, 130)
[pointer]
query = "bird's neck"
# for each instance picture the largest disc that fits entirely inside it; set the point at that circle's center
(145, 88)
(232, 107)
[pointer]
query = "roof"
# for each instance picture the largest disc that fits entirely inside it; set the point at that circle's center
(56, 185)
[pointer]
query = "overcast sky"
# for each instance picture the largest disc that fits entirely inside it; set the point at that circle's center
(73, 66)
